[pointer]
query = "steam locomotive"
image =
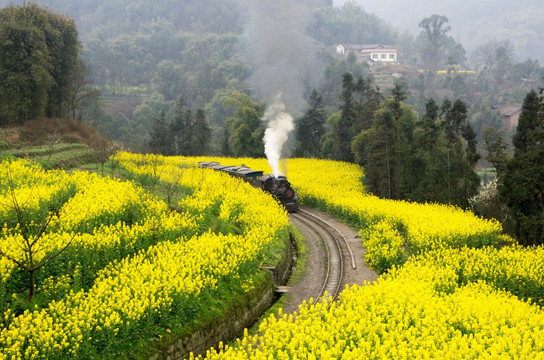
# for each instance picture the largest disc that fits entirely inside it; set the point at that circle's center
(278, 187)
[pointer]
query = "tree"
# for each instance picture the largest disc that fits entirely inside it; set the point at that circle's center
(181, 130)
(503, 64)
(25, 64)
(160, 138)
(446, 154)
(381, 154)
(342, 132)
(82, 92)
(246, 127)
(201, 134)
(169, 80)
(386, 149)
(434, 30)
(485, 56)
(40, 56)
(522, 187)
(495, 147)
(486, 116)
(150, 108)
(103, 149)
(310, 128)
(64, 46)
(471, 180)
(430, 125)
(366, 102)
(32, 224)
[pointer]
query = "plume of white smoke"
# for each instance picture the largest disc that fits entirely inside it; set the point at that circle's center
(280, 124)
(283, 61)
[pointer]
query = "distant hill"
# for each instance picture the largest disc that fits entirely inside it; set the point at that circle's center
(473, 23)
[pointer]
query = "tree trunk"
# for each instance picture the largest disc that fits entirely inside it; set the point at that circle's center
(449, 177)
(388, 170)
(31, 286)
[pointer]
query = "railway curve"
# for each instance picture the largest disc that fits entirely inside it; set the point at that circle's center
(335, 258)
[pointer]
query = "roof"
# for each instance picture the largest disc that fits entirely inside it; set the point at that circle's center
(207, 164)
(508, 110)
(362, 47)
(243, 170)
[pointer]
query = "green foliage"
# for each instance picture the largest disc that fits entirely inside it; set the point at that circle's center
(310, 128)
(349, 24)
(385, 150)
(184, 135)
(201, 134)
(40, 53)
(431, 160)
(342, 132)
(245, 126)
(160, 141)
(523, 181)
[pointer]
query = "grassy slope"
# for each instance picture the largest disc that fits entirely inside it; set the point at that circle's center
(53, 143)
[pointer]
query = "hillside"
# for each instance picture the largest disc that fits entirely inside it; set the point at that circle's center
(473, 23)
(148, 60)
(54, 143)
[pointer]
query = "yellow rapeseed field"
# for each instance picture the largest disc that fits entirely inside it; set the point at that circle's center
(450, 287)
(161, 280)
(460, 296)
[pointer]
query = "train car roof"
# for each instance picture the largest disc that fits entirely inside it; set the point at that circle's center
(242, 170)
(218, 166)
(271, 176)
(207, 164)
(248, 171)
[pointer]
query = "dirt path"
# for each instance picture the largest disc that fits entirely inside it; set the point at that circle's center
(310, 283)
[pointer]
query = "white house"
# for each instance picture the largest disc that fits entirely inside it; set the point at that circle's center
(372, 53)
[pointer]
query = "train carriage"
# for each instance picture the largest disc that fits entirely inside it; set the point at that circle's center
(278, 187)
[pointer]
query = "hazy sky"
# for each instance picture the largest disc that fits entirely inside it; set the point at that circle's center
(473, 23)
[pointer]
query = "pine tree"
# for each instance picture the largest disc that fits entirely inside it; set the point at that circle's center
(495, 147)
(342, 133)
(522, 187)
(385, 150)
(367, 100)
(310, 128)
(448, 155)
(201, 132)
(181, 130)
(160, 141)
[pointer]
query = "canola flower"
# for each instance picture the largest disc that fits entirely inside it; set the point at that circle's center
(417, 312)
(454, 299)
(517, 269)
(125, 293)
(336, 187)
(102, 218)
(459, 297)
(161, 281)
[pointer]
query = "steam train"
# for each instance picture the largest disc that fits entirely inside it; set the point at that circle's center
(278, 187)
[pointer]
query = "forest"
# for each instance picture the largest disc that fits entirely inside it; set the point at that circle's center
(145, 57)
(196, 78)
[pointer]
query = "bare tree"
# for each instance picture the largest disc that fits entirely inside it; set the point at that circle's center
(34, 253)
(82, 91)
(103, 149)
(52, 140)
(171, 188)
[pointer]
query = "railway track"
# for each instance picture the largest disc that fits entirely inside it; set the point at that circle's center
(338, 252)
